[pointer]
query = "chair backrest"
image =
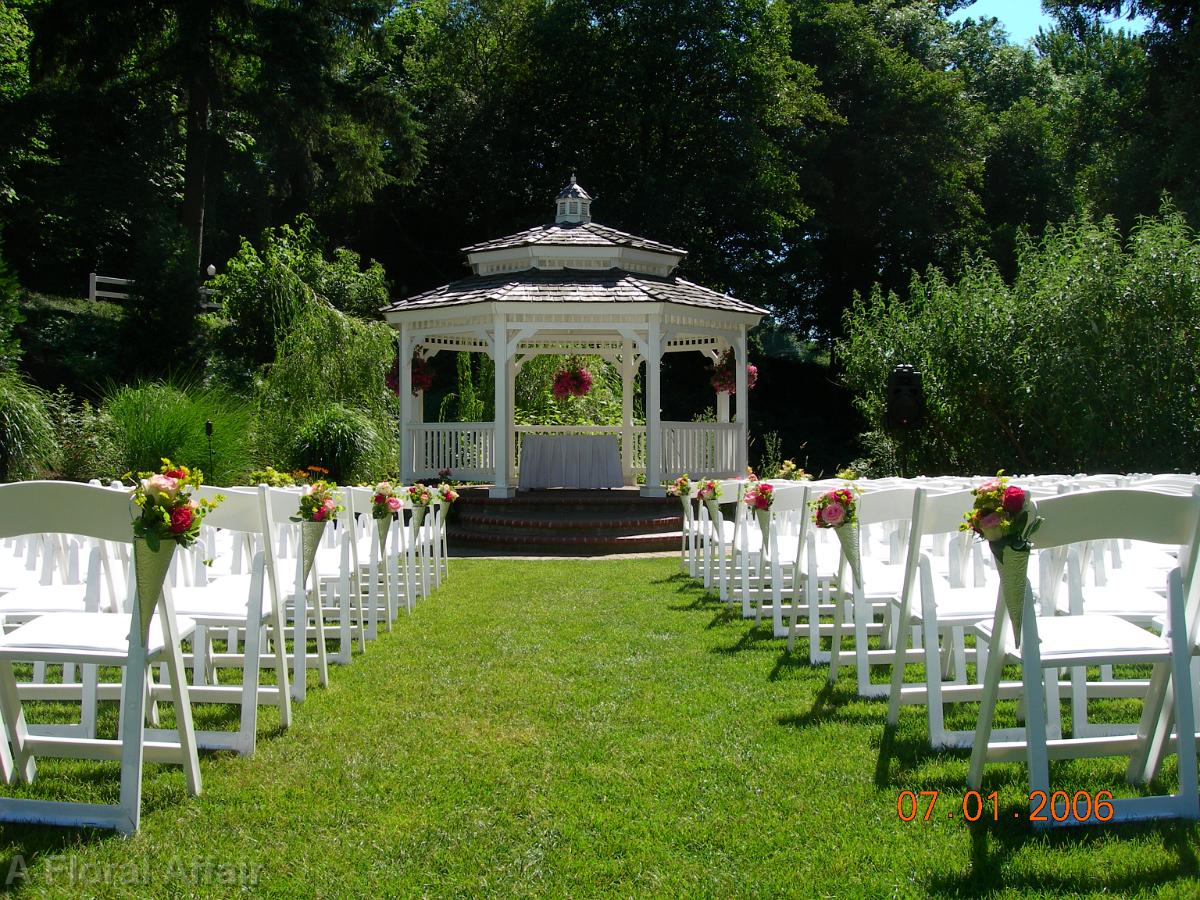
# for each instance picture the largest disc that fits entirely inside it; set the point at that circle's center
(1141, 515)
(35, 507)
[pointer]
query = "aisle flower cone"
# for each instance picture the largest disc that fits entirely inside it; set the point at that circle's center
(1013, 566)
(838, 509)
(310, 539)
(1006, 517)
(150, 567)
(848, 536)
(164, 516)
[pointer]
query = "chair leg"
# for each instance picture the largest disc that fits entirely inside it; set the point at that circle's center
(21, 762)
(935, 710)
(987, 703)
(835, 651)
(898, 664)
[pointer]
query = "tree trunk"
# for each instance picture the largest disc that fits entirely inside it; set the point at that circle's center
(196, 26)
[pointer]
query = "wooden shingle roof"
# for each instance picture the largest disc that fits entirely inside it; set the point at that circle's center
(574, 234)
(573, 286)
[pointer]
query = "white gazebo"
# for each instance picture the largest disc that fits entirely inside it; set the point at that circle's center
(573, 287)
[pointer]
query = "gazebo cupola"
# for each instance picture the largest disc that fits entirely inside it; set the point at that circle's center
(574, 204)
(574, 287)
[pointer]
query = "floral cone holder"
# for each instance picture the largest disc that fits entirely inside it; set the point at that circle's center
(714, 512)
(150, 568)
(1013, 566)
(381, 534)
(310, 539)
(848, 537)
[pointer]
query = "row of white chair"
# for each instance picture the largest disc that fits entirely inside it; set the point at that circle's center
(925, 593)
(243, 584)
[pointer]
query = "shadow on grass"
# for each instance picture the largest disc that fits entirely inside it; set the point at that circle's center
(993, 843)
(752, 638)
(832, 704)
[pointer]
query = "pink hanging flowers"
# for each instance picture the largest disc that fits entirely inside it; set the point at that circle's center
(724, 375)
(574, 380)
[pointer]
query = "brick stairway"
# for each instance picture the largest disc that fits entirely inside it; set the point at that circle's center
(563, 523)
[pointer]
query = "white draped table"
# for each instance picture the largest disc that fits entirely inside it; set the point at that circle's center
(570, 461)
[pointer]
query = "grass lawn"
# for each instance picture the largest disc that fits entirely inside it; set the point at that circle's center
(576, 728)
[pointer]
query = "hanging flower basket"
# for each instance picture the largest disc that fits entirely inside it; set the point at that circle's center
(724, 376)
(574, 380)
(422, 376)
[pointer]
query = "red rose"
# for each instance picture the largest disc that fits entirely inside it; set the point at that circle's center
(379, 498)
(176, 473)
(181, 519)
(1014, 500)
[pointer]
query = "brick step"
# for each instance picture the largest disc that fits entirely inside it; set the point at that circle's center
(582, 520)
(568, 544)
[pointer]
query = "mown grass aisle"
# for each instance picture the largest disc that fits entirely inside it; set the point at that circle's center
(587, 727)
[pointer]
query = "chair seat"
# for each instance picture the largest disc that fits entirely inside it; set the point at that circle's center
(100, 633)
(965, 604)
(1136, 603)
(43, 598)
(1081, 638)
(14, 578)
(224, 598)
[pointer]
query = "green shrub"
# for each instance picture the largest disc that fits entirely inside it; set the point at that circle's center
(87, 439)
(264, 291)
(339, 439)
(27, 444)
(154, 419)
(10, 347)
(1088, 361)
(327, 358)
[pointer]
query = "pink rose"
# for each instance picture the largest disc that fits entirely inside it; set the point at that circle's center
(1013, 500)
(987, 487)
(393, 504)
(833, 515)
(181, 520)
(319, 514)
(991, 526)
(160, 486)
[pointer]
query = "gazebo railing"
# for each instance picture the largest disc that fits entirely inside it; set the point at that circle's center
(467, 449)
(700, 449)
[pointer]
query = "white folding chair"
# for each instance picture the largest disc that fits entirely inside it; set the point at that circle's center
(100, 639)
(239, 605)
(1053, 642)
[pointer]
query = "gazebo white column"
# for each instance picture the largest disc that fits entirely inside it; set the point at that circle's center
(628, 373)
(652, 487)
(501, 451)
(405, 399)
(742, 415)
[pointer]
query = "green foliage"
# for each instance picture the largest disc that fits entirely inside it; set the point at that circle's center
(271, 478)
(87, 438)
(155, 419)
(10, 315)
(263, 291)
(342, 440)
(771, 460)
(68, 340)
(536, 405)
(27, 445)
(329, 357)
(1089, 361)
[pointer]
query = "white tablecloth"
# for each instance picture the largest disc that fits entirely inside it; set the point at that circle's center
(570, 461)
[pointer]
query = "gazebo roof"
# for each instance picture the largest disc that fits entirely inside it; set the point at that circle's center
(574, 234)
(573, 286)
